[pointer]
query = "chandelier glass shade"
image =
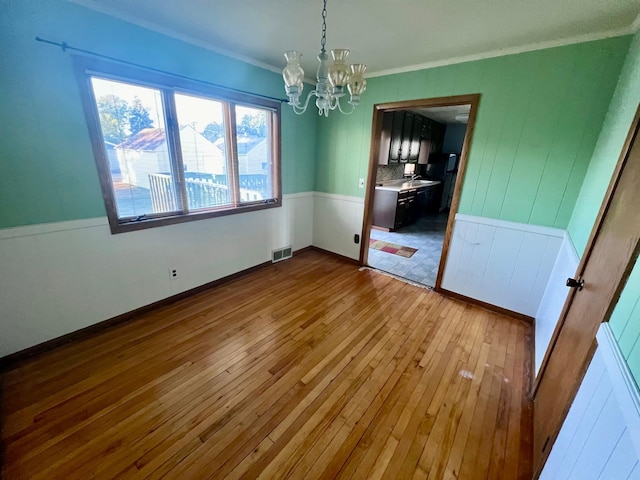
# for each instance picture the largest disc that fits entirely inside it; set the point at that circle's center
(333, 81)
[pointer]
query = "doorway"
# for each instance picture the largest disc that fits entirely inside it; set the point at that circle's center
(418, 158)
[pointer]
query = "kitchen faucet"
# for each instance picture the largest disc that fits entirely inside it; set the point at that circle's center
(414, 177)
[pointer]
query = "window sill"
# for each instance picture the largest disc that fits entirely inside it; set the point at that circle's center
(121, 227)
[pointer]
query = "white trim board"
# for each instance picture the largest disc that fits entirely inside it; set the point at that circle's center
(336, 196)
(502, 263)
(505, 224)
(51, 227)
(44, 228)
(624, 385)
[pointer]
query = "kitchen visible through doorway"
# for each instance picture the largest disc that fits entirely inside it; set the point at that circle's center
(419, 157)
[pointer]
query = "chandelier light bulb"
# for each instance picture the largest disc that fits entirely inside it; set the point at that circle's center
(293, 74)
(357, 83)
(339, 71)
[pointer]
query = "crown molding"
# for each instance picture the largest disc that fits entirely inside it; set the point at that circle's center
(509, 51)
(112, 12)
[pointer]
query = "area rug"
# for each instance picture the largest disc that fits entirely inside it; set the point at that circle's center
(389, 247)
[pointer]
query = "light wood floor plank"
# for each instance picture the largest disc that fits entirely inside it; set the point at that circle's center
(308, 369)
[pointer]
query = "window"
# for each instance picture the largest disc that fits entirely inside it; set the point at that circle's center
(170, 149)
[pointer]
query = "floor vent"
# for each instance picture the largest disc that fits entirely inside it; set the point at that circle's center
(281, 254)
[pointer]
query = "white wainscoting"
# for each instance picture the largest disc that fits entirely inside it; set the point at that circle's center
(502, 263)
(600, 438)
(336, 219)
(61, 277)
(554, 296)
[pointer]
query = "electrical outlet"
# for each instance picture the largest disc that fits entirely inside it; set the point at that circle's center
(173, 273)
(361, 183)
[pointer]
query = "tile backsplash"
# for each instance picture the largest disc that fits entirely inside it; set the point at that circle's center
(389, 172)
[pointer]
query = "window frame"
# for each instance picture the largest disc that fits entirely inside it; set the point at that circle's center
(169, 85)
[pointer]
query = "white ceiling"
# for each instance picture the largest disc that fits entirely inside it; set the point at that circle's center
(446, 115)
(384, 34)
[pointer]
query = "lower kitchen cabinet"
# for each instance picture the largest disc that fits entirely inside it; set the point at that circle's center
(393, 209)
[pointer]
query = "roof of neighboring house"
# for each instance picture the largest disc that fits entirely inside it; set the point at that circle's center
(151, 138)
(146, 139)
(244, 144)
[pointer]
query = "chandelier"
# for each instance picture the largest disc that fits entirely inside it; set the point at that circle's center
(331, 80)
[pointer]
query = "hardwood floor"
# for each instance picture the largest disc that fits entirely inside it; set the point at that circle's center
(307, 369)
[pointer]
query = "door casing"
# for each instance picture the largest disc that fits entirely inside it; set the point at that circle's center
(376, 132)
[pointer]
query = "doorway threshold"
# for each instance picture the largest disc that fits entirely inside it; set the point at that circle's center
(397, 277)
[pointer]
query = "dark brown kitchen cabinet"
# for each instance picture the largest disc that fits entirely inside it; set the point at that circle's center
(416, 139)
(434, 131)
(428, 200)
(400, 139)
(408, 138)
(407, 131)
(385, 203)
(395, 148)
(385, 139)
(392, 210)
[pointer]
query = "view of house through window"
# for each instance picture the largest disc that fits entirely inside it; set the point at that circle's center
(254, 154)
(135, 138)
(204, 156)
(161, 168)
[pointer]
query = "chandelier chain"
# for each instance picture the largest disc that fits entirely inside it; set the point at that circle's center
(333, 79)
(324, 28)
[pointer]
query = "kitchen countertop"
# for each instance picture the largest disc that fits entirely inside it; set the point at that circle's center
(403, 185)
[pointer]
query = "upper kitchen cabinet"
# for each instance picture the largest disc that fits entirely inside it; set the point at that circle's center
(385, 139)
(416, 139)
(395, 149)
(400, 140)
(434, 131)
(408, 138)
(407, 131)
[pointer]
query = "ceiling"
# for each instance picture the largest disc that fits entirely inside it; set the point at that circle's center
(387, 35)
(446, 115)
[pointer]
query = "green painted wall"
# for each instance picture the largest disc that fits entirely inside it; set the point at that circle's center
(539, 119)
(625, 321)
(47, 170)
(605, 155)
